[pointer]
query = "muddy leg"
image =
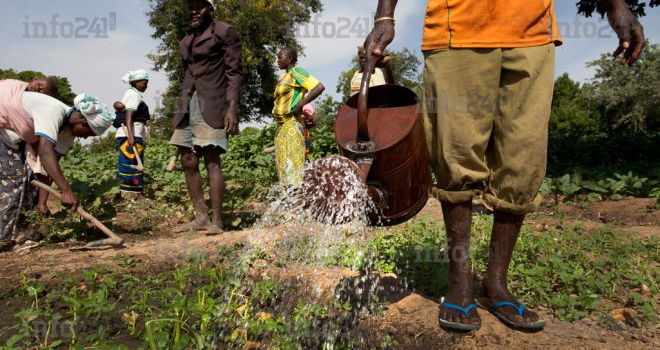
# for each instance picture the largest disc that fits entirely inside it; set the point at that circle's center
(506, 229)
(190, 164)
(458, 222)
(217, 184)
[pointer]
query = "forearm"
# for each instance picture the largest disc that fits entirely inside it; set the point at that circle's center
(43, 194)
(51, 164)
(386, 8)
(316, 92)
(129, 124)
(233, 107)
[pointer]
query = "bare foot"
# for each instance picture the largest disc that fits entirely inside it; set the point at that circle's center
(199, 225)
(140, 197)
(213, 230)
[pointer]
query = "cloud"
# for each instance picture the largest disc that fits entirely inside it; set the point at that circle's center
(92, 65)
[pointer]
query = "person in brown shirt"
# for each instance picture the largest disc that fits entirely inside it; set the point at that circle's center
(211, 56)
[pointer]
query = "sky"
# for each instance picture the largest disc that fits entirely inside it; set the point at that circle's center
(96, 63)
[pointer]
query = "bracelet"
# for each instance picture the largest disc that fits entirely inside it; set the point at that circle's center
(380, 19)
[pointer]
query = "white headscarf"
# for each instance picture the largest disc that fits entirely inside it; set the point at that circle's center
(135, 75)
(97, 114)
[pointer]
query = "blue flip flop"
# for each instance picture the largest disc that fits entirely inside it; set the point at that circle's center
(455, 325)
(495, 309)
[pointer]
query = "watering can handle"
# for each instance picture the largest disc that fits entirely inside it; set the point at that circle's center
(363, 111)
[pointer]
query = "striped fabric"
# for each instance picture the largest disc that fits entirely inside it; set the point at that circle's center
(290, 90)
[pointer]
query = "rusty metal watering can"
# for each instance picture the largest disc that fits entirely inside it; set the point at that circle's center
(380, 135)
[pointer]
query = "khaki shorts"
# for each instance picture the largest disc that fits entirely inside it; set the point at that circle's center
(486, 115)
(197, 133)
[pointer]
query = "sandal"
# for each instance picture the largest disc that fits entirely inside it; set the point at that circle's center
(455, 325)
(495, 309)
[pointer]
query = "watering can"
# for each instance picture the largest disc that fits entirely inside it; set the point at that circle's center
(380, 135)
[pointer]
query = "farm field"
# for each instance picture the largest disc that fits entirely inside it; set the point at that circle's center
(283, 286)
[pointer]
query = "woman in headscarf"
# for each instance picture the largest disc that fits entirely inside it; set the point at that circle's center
(134, 114)
(295, 89)
(36, 121)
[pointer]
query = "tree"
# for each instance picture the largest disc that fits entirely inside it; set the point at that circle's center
(627, 96)
(263, 25)
(588, 7)
(326, 111)
(570, 115)
(405, 68)
(63, 86)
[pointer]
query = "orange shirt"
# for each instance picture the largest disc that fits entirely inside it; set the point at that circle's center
(489, 24)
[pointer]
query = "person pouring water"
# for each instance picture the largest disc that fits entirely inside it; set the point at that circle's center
(499, 153)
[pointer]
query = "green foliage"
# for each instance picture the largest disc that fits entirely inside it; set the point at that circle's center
(264, 27)
(92, 178)
(107, 143)
(246, 164)
(572, 187)
(324, 142)
(588, 7)
(416, 252)
(570, 115)
(190, 307)
(572, 272)
(160, 184)
(63, 86)
(627, 96)
(616, 151)
(326, 111)
(611, 124)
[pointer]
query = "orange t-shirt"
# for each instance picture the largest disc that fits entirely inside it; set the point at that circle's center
(489, 24)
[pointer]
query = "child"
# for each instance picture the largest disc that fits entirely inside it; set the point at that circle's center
(133, 113)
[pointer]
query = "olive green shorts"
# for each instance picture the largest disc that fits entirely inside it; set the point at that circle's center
(486, 115)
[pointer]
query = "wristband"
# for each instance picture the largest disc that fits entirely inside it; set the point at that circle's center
(380, 19)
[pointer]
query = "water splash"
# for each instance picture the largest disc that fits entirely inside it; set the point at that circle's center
(317, 236)
(332, 193)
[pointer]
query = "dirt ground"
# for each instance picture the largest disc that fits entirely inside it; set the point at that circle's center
(409, 316)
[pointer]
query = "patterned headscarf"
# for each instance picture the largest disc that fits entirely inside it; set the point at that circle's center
(135, 75)
(97, 114)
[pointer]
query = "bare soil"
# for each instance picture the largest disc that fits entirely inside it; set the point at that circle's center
(410, 317)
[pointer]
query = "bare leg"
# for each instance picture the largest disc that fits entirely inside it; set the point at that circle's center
(458, 222)
(190, 164)
(141, 197)
(217, 184)
(506, 229)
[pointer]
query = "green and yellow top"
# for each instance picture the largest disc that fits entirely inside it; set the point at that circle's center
(290, 90)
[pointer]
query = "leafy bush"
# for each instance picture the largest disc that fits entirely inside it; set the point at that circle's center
(571, 187)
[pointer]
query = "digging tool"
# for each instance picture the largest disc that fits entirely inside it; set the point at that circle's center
(172, 164)
(139, 167)
(114, 240)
